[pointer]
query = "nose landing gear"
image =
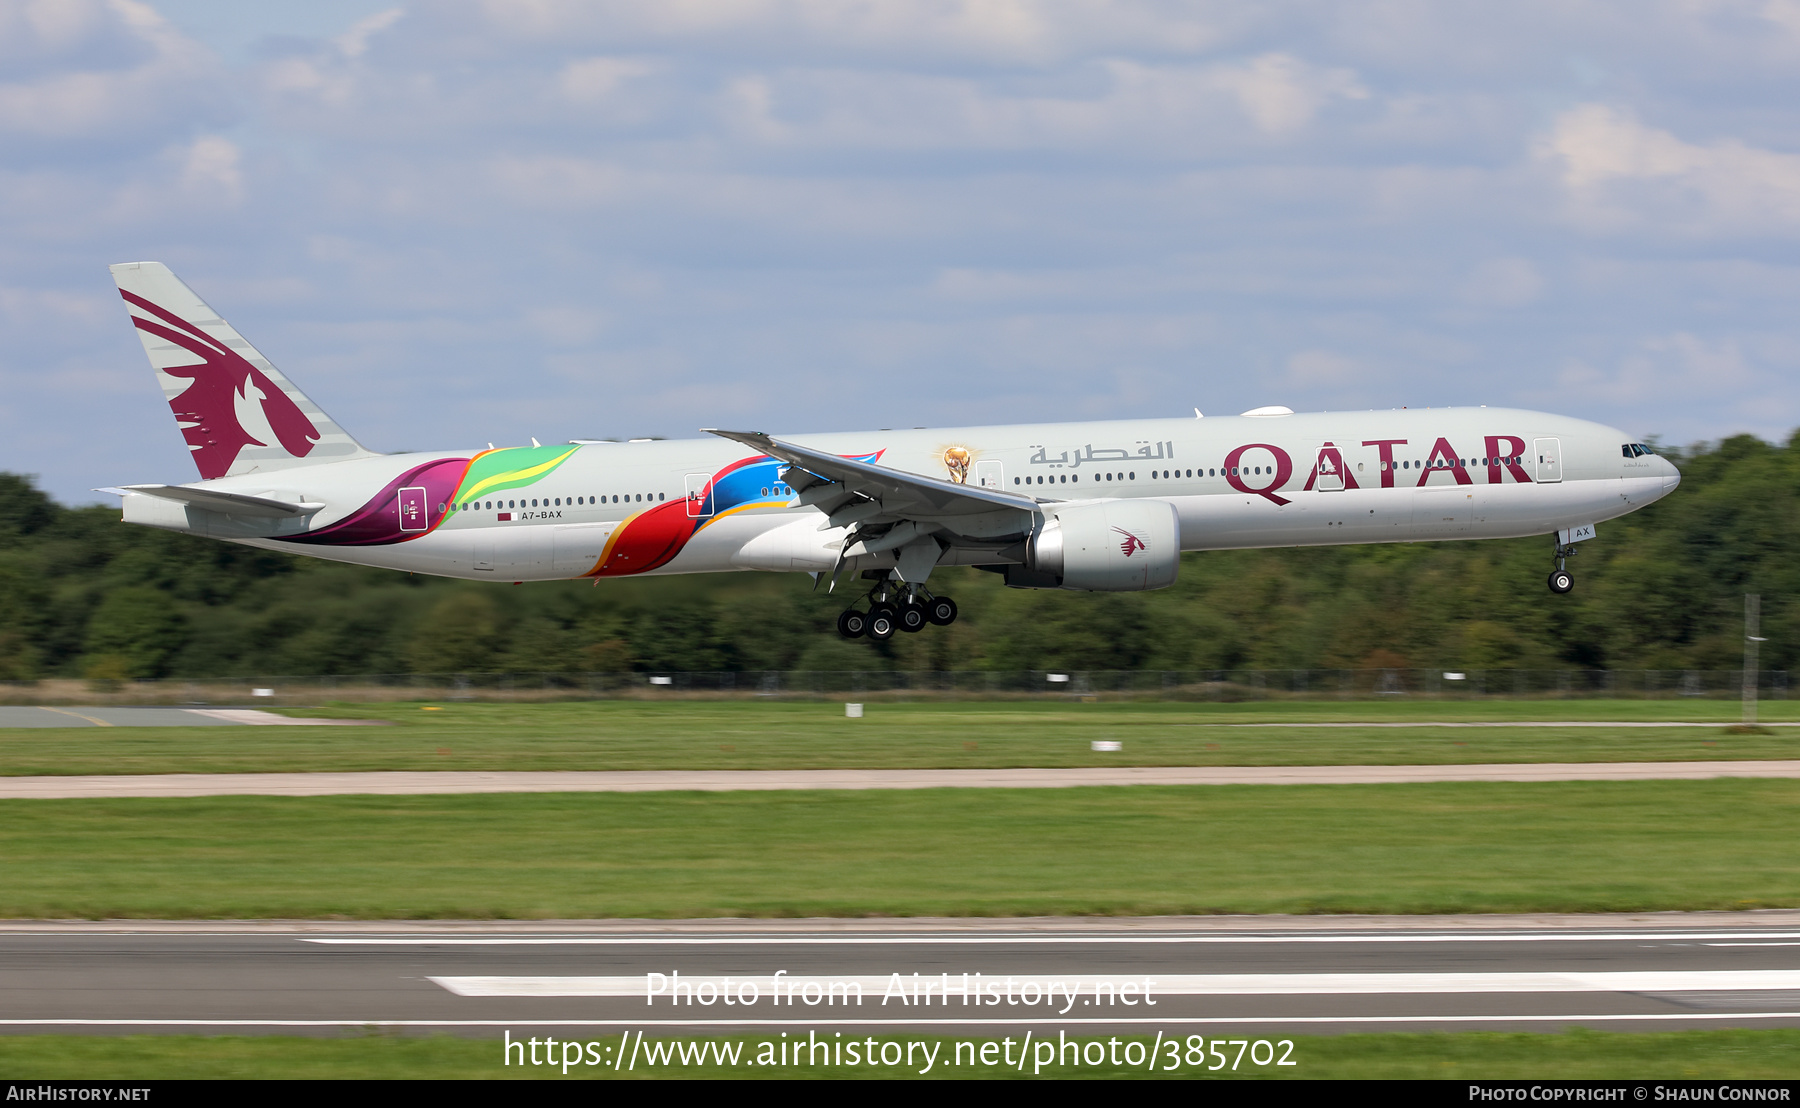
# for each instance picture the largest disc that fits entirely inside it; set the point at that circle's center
(1561, 580)
(896, 607)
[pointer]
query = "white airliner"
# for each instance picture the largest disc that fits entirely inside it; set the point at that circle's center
(1104, 507)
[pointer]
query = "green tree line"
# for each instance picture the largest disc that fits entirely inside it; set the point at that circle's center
(82, 594)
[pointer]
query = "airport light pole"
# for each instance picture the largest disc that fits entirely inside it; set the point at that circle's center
(1752, 624)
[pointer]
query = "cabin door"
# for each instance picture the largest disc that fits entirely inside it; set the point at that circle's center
(1549, 460)
(699, 495)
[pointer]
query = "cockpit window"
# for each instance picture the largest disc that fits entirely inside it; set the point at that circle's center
(1636, 450)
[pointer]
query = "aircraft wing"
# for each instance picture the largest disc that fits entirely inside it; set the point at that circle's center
(881, 508)
(229, 503)
(835, 483)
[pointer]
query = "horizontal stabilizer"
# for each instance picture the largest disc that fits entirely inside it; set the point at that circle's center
(228, 503)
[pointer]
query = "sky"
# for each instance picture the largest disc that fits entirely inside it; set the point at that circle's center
(471, 221)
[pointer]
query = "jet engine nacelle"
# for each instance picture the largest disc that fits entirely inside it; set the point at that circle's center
(1103, 546)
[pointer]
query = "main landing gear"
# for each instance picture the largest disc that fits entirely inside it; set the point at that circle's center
(1561, 580)
(894, 606)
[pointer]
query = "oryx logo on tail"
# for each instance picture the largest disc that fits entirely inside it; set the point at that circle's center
(238, 413)
(231, 403)
(1132, 543)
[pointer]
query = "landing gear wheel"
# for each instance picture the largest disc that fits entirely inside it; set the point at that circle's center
(1561, 581)
(913, 617)
(853, 624)
(941, 610)
(882, 622)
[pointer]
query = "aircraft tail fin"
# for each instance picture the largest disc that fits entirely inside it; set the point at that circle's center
(238, 413)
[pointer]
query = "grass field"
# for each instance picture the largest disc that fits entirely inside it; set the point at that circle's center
(1144, 850)
(750, 734)
(1676, 1055)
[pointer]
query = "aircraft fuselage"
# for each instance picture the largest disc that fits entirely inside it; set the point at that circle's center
(708, 505)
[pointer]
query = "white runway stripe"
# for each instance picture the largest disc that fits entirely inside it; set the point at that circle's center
(871, 987)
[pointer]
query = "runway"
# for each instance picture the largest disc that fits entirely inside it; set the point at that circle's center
(401, 783)
(1258, 976)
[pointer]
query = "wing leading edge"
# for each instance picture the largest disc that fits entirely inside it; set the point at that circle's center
(889, 509)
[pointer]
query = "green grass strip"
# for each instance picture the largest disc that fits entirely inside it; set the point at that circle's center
(1144, 850)
(1670, 1055)
(618, 735)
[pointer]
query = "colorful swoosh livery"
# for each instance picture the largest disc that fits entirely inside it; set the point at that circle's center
(1096, 506)
(447, 483)
(652, 539)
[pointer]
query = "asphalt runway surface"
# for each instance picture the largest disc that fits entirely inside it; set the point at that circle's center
(1260, 977)
(17, 715)
(406, 782)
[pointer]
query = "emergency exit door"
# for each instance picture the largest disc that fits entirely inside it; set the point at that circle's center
(1549, 460)
(699, 495)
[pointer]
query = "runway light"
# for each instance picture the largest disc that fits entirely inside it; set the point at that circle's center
(1455, 677)
(262, 692)
(1057, 678)
(662, 680)
(1106, 744)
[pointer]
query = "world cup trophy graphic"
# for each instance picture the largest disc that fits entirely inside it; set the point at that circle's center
(956, 460)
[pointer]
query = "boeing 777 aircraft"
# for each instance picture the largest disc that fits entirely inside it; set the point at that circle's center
(1100, 507)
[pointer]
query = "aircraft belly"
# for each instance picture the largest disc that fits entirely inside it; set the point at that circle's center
(1511, 511)
(712, 548)
(1235, 522)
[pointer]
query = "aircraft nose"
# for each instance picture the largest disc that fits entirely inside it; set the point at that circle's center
(1671, 476)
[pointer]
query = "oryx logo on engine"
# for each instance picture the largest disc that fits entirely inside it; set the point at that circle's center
(1132, 543)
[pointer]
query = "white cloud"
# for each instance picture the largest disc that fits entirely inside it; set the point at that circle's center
(996, 31)
(209, 166)
(1620, 172)
(34, 307)
(1281, 93)
(125, 67)
(1314, 370)
(1024, 209)
(593, 79)
(354, 43)
(1502, 283)
(1687, 386)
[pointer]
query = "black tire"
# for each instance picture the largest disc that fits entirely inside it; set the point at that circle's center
(883, 621)
(913, 617)
(853, 624)
(941, 610)
(1561, 581)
